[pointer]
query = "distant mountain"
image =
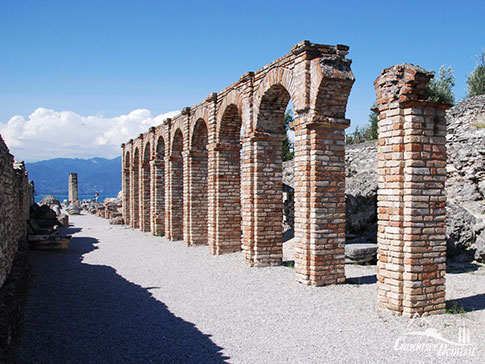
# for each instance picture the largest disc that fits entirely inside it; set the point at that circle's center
(94, 175)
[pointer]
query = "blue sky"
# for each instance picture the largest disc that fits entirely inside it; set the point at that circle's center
(106, 59)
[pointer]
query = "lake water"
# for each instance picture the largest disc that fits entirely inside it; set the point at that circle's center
(38, 198)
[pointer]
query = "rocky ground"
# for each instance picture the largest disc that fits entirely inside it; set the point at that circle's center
(118, 295)
(465, 186)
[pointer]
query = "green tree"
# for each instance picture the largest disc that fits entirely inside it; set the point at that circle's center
(288, 149)
(372, 130)
(367, 133)
(476, 79)
(439, 88)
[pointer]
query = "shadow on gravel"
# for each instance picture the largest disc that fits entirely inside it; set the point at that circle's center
(455, 268)
(370, 279)
(469, 304)
(80, 313)
(71, 230)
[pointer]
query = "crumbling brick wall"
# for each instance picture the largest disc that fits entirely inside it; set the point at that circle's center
(16, 196)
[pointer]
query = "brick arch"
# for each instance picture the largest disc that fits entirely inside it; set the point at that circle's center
(200, 112)
(233, 99)
(230, 125)
(331, 98)
(160, 148)
(272, 109)
(127, 159)
(147, 153)
(177, 142)
(199, 136)
(284, 78)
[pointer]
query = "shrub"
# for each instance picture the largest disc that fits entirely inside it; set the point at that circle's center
(439, 88)
(288, 149)
(476, 79)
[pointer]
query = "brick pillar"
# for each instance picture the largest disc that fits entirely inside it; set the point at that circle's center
(225, 198)
(145, 197)
(197, 190)
(174, 228)
(319, 181)
(411, 197)
(157, 187)
(135, 194)
(126, 195)
(125, 187)
(263, 200)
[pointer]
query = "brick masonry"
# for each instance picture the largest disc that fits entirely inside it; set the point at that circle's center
(411, 197)
(16, 196)
(221, 166)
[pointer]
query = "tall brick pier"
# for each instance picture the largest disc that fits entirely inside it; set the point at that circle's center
(411, 195)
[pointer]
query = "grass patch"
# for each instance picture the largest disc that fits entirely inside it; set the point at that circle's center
(453, 308)
(479, 125)
(289, 264)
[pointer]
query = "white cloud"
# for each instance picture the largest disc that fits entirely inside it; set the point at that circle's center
(50, 134)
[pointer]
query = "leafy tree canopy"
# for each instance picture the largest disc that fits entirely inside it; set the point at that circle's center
(476, 79)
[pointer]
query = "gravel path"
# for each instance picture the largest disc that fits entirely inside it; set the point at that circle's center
(118, 295)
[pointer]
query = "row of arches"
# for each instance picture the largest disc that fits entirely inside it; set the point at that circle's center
(213, 174)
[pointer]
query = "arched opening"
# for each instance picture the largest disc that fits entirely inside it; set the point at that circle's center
(267, 204)
(158, 189)
(198, 163)
(177, 187)
(135, 217)
(126, 189)
(226, 207)
(145, 190)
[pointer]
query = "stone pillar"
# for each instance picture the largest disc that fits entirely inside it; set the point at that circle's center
(263, 206)
(73, 196)
(224, 198)
(197, 199)
(411, 197)
(319, 182)
(157, 180)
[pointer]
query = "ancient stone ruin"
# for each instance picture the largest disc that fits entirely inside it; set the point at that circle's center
(16, 196)
(73, 190)
(213, 174)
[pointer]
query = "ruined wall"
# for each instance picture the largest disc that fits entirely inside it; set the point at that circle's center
(16, 196)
